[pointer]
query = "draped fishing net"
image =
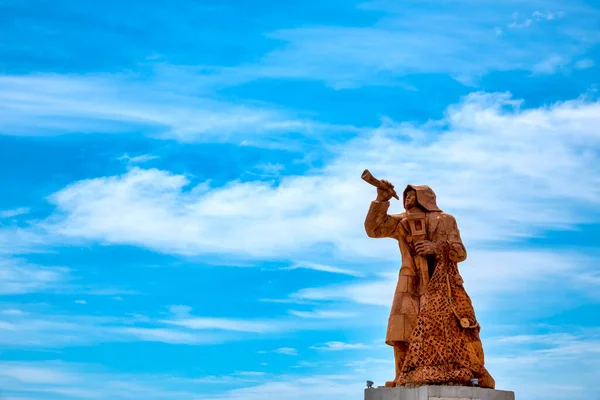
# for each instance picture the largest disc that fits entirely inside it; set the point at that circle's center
(444, 347)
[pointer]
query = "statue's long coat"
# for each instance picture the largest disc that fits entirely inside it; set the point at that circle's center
(440, 226)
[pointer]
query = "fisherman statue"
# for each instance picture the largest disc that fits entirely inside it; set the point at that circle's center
(432, 325)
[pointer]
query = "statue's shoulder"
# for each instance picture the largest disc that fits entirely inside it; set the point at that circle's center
(447, 218)
(440, 215)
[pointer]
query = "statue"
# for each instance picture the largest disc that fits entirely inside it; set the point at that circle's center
(432, 325)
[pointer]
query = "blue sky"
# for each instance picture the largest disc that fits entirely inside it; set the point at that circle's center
(181, 207)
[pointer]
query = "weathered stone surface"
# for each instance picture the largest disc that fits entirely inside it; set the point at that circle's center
(437, 393)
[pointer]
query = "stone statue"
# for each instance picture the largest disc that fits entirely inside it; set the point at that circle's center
(432, 325)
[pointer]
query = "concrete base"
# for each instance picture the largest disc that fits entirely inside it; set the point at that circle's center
(437, 393)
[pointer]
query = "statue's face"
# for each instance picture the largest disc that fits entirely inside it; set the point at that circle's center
(411, 200)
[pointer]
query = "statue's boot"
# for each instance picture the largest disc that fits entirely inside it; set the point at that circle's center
(400, 349)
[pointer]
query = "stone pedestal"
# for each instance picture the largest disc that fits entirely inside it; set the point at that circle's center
(437, 393)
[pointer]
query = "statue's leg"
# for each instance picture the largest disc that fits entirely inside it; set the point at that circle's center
(400, 349)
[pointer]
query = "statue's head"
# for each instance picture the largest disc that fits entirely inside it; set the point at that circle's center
(421, 195)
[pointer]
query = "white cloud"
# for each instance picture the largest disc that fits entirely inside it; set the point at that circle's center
(222, 324)
(81, 381)
(285, 301)
(251, 373)
(137, 159)
(45, 328)
(288, 351)
(236, 378)
(171, 336)
(484, 160)
(4, 214)
(57, 104)
(340, 346)
(16, 240)
(32, 374)
(527, 361)
(324, 268)
(374, 292)
(19, 277)
(268, 169)
(297, 388)
(324, 314)
(549, 16)
(42, 380)
(550, 65)
(458, 38)
(518, 25)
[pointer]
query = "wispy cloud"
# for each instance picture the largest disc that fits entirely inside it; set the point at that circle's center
(46, 328)
(296, 388)
(41, 380)
(527, 21)
(165, 335)
(549, 65)
(236, 378)
(458, 38)
(552, 344)
(19, 277)
(517, 25)
(13, 213)
(16, 240)
(525, 358)
(222, 324)
(57, 104)
(340, 346)
(324, 268)
(266, 170)
(137, 159)
(38, 380)
(29, 326)
(374, 292)
(547, 15)
(322, 314)
(288, 351)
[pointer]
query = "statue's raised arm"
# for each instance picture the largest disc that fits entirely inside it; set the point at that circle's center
(378, 224)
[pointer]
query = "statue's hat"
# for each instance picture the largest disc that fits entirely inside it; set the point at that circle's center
(425, 196)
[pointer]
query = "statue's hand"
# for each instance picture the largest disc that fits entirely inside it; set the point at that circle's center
(386, 193)
(425, 247)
